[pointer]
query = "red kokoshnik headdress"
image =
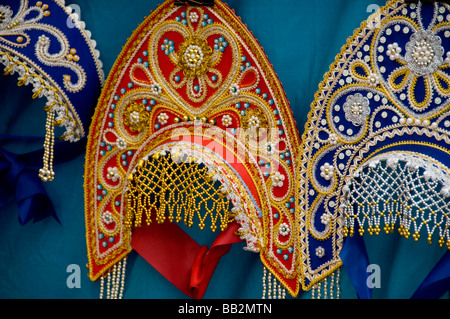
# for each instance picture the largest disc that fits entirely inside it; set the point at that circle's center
(192, 126)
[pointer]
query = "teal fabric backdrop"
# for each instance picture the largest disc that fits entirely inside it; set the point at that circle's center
(301, 39)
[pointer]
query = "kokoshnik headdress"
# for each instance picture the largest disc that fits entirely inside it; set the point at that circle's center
(48, 48)
(375, 153)
(192, 127)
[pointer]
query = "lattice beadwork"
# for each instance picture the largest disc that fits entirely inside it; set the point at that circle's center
(178, 189)
(397, 196)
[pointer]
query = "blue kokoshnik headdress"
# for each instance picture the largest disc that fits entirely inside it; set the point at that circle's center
(375, 156)
(46, 46)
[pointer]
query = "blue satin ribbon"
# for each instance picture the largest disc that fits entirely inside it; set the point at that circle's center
(19, 179)
(355, 259)
(437, 282)
(23, 183)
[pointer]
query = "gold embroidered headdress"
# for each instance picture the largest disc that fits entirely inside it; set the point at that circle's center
(192, 127)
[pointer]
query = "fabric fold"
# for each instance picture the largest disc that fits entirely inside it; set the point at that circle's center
(179, 258)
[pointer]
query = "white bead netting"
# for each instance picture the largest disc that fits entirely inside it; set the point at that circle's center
(389, 194)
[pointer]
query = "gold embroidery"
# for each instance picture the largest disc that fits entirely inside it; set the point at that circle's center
(194, 56)
(136, 117)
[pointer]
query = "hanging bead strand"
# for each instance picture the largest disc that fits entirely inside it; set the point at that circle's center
(319, 287)
(115, 281)
(102, 286)
(264, 282)
(274, 286)
(46, 173)
(338, 289)
(108, 286)
(122, 280)
(332, 286)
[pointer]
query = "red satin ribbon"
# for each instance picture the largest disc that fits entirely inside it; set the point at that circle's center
(179, 258)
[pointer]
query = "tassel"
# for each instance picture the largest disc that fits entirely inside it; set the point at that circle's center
(272, 289)
(46, 173)
(327, 288)
(115, 281)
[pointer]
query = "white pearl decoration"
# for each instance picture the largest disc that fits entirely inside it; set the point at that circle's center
(271, 288)
(327, 290)
(115, 281)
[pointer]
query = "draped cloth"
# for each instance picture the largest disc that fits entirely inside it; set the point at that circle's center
(356, 262)
(19, 178)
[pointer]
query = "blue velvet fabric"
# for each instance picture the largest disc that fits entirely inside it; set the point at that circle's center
(301, 39)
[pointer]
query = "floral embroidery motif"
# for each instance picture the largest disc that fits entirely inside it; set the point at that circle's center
(284, 229)
(420, 68)
(107, 217)
(167, 47)
(373, 79)
(393, 51)
(5, 16)
(121, 144)
(234, 89)
(193, 16)
(327, 171)
(113, 174)
(277, 179)
(194, 57)
(220, 44)
(320, 252)
(226, 120)
(163, 118)
(356, 109)
(424, 52)
(155, 88)
(136, 117)
(325, 219)
(254, 121)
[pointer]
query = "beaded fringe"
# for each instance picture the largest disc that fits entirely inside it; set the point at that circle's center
(272, 289)
(328, 288)
(115, 281)
(46, 173)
